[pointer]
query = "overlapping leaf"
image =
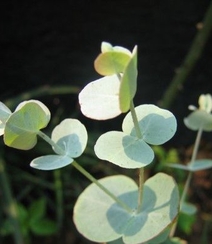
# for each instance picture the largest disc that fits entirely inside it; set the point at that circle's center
(100, 219)
(23, 125)
(70, 137)
(125, 149)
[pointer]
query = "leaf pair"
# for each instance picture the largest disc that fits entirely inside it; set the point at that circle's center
(22, 127)
(111, 95)
(100, 219)
(70, 138)
(125, 149)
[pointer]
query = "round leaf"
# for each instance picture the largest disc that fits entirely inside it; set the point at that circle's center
(100, 219)
(111, 62)
(199, 119)
(71, 136)
(51, 162)
(123, 150)
(200, 164)
(23, 125)
(100, 99)
(157, 125)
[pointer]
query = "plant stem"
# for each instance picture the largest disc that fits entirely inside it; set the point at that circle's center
(10, 205)
(41, 91)
(85, 173)
(105, 190)
(59, 198)
(135, 120)
(141, 170)
(191, 58)
(193, 158)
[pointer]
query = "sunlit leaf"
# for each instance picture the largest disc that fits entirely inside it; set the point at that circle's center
(123, 150)
(157, 125)
(23, 125)
(128, 83)
(71, 136)
(51, 162)
(100, 99)
(4, 115)
(100, 219)
(112, 60)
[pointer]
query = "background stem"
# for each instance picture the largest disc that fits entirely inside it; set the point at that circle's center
(10, 205)
(190, 60)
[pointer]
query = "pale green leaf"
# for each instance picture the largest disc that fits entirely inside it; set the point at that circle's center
(100, 219)
(200, 164)
(199, 119)
(196, 165)
(100, 99)
(157, 125)
(71, 136)
(111, 62)
(4, 115)
(123, 150)
(23, 125)
(51, 162)
(128, 83)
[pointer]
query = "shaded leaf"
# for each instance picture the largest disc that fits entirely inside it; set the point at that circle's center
(51, 162)
(71, 136)
(123, 150)
(100, 219)
(157, 125)
(199, 119)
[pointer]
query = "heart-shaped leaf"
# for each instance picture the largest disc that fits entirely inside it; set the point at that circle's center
(100, 99)
(157, 125)
(51, 162)
(71, 136)
(199, 119)
(123, 150)
(23, 125)
(100, 219)
(128, 85)
(4, 115)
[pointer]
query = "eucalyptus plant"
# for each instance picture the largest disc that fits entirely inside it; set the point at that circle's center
(114, 209)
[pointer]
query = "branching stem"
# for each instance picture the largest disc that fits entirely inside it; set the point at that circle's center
(85, 173)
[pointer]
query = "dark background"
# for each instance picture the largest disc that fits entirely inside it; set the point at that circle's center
(56, 42)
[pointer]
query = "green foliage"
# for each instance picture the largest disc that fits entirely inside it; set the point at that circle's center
(114, 209)
(32, 220)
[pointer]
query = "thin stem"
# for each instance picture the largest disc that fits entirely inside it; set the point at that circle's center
(190, 60)
(135, 120)
(10, 205)
(141, 170)
(59, 197)
(193, 158)
(85, 173)
(105, 190)
(188, 180)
